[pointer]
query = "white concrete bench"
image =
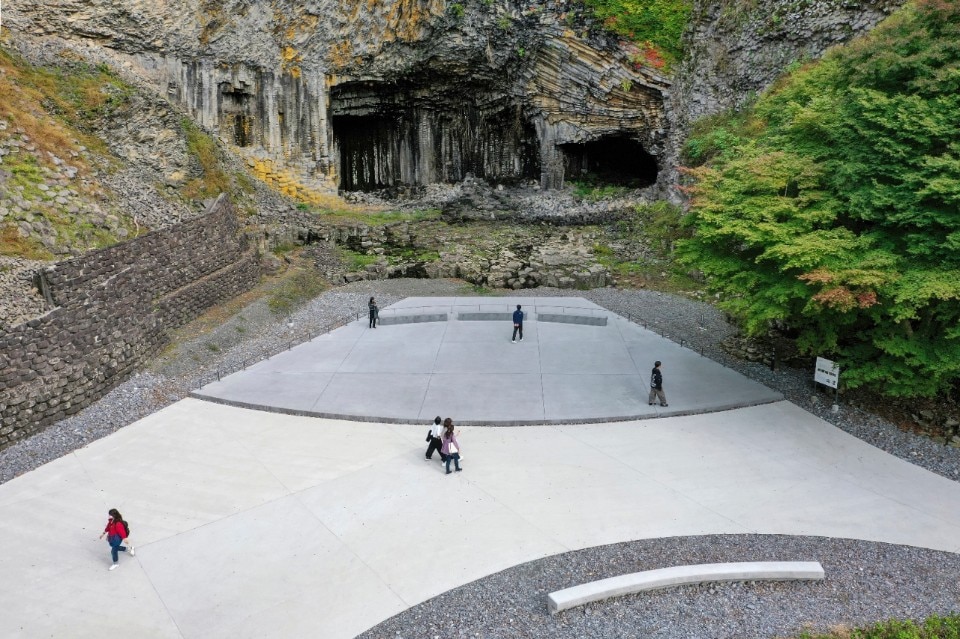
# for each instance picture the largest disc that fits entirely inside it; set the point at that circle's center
(682, 576)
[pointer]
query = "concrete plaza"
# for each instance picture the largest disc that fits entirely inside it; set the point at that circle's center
(462, 363)
(260, 524)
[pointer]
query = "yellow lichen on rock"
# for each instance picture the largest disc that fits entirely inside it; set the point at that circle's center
(287, 182)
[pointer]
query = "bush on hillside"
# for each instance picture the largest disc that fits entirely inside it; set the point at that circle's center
(832, 207)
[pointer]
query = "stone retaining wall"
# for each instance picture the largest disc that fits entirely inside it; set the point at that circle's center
(112, 310)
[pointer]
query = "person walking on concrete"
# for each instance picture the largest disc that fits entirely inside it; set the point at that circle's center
(374, 312)
(517, 325)
(656, 385)
(436, 444)
(451, 447)
(117, 532)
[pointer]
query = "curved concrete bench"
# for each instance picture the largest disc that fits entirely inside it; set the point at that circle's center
(682, 576)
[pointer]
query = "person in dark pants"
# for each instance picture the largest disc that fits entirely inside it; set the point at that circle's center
(656, 385)
(451, 447)
(435, 442)
(117, 532)
(374, 312)
(517, 325)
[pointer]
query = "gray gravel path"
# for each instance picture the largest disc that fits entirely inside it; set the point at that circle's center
(866, 581)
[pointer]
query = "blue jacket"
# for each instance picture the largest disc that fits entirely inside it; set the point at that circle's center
(518, 316)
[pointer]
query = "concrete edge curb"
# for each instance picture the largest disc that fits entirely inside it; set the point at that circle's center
(493, 422)
(683, 576)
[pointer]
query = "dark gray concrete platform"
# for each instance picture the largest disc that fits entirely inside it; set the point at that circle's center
(562, 372)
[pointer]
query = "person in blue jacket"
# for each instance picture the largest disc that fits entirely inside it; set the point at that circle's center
(517, 325)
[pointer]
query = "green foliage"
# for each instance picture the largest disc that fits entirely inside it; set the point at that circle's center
(832, 207)
(214, 180)
(356, 261)
(932, 628)
(294, 291)
(592, 190)
(379, 218)
(505, 22)
(456, 10)
(656, 26)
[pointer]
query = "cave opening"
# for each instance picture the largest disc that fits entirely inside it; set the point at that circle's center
(417, 134)
(235, 112)
(616, 160)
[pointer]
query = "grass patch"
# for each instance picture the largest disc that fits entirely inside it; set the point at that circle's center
(377, 218)
(934, 627)
(410, 254)
(11, 244)
(356, 261)
(213, 179)
(59, 106)
(296, 290)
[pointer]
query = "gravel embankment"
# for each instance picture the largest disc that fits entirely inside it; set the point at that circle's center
(866, 581)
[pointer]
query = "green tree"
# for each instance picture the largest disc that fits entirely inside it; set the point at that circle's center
(835, 210)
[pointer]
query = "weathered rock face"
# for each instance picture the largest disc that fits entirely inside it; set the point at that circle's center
(381, 93)
(736, 49)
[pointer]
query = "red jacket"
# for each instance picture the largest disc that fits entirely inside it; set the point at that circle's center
(116, 527)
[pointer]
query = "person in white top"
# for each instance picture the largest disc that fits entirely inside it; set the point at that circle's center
(435, 442)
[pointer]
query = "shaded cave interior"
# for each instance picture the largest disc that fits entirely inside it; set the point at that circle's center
(415, 133)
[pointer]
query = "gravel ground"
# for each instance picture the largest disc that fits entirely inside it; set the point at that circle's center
(866, 581)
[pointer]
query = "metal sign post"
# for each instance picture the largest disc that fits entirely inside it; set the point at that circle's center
(827, 372)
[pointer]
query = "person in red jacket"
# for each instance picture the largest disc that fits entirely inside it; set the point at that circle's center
(116, 532)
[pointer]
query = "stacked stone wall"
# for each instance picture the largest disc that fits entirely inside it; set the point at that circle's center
(113, 309)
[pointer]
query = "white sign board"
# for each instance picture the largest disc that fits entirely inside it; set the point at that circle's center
(827, 373)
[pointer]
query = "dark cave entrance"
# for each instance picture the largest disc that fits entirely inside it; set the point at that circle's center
(615, 160)
(392, 135)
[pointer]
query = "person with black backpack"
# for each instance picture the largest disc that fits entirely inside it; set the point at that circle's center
(117, 532)
(656, 385)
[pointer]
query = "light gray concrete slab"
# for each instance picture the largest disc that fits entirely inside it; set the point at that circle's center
(585, 357)
(585, 397)
(362, 394)
(481, 357)
(257, 524)
(295, 391)
(566, 357)
(506, 397)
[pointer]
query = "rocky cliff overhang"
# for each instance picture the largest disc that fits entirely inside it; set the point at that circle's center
(364, 95)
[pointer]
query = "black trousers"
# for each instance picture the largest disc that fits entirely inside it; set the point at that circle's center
(434, 445)
(517, 328)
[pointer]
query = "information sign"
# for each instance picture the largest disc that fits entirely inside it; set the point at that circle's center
(827, 373)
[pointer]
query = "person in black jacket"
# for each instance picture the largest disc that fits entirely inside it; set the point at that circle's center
(435, 443)
(656, 385)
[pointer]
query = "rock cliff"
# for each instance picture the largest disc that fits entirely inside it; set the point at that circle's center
(359, 96)
(365, 95)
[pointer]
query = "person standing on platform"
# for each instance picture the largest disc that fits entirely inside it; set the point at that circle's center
(374, 312)
(656, 385)
(517, 325)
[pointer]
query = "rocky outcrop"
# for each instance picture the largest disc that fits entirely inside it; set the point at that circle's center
(735, 50)
(381, 93)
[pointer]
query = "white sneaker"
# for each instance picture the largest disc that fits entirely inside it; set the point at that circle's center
(113, 566)
(132, 551)
(521, 339)
(513, 341)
